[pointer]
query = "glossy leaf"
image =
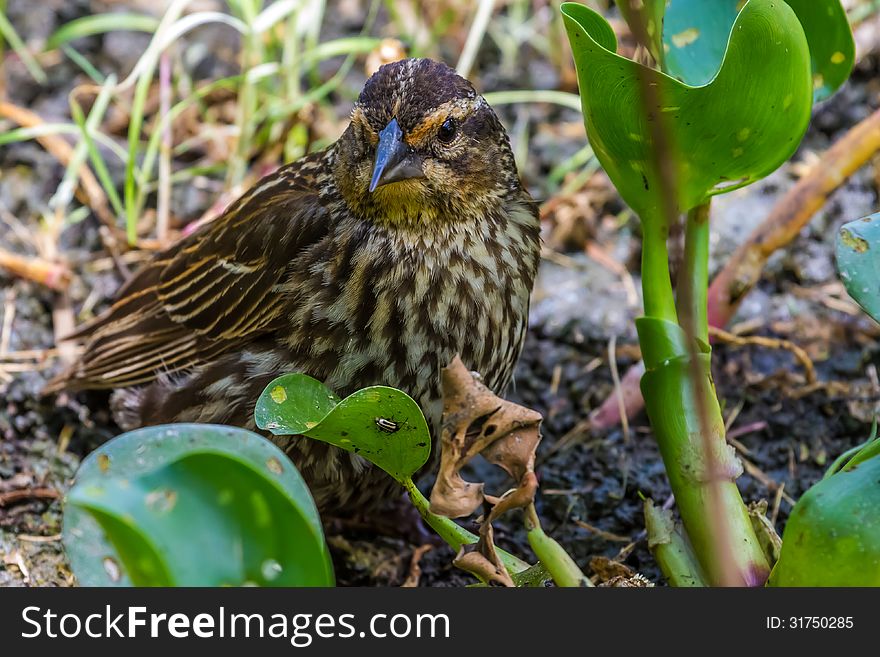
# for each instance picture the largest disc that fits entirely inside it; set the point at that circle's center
(293, 404)
(696, 33)
(381, 424)
(695, 37)
(725, 134)
(858, 259)
(832, 537)
(193, 505)
(832, 47)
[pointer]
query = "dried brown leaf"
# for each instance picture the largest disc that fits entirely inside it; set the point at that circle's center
(607, 569)
(482, 560)
(476, 421)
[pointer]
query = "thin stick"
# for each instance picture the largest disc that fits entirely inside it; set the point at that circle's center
(790, 215)
(20, 494)
(51, 274)
(615, 377)
(475, 37)
(772, 343)
(8, 316)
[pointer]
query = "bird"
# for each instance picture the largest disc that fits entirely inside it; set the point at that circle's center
(376, 261)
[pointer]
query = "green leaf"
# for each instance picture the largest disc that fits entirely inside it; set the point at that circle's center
(858, 259)
(732, 131)
(695, 34)
(381, 424)
(193, 505)
(8, 33)
(99, 24)
(293, 404)
(832, 537)
(832, 47)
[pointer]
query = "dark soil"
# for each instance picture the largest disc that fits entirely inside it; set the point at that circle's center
(564, 372)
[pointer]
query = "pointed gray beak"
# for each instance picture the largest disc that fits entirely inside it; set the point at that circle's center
(395, 160)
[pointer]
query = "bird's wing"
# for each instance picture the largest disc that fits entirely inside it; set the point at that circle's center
(216, 289)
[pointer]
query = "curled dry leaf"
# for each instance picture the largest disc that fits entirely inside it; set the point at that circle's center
(481, 559)
(476, 421)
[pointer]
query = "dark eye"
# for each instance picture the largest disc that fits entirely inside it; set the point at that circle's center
(447, 131)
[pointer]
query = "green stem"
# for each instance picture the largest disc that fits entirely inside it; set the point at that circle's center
(675, 556)
(562, 568)
(656, 282)
(693, 278)
(455, 535)
(702, 469)
(684, 410)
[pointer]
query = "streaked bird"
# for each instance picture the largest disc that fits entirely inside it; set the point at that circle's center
(375, 261)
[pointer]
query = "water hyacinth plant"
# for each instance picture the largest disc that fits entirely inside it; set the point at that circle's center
(193, 505)
(727, 105)
(833, 535)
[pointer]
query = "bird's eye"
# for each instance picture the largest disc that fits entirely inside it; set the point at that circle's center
(447, 131)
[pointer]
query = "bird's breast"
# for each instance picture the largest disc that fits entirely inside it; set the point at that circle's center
(382, 311)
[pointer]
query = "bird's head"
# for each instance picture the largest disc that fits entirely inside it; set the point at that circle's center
(423, 145)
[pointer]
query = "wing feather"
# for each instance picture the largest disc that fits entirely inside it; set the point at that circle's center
(215, 290)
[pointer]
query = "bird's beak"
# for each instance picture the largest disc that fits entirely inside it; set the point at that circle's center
(395, 160)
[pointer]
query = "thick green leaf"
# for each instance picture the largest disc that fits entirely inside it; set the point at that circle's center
(832, 48)
(293, 404)
(858, 259)
(381, 424)
(695, 34)
(728, 133)
(832, 537)
(193, 505)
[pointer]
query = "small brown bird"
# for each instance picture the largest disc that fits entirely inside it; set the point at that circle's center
(375, 261)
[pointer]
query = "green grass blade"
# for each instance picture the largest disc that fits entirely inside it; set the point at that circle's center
(64, 194)
(95, 157)
(84, 64)
(99, 24)
(11, 36)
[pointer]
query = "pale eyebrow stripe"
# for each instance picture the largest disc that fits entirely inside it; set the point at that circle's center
(458, 109)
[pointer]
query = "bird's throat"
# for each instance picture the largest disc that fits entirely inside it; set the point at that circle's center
(402, 204)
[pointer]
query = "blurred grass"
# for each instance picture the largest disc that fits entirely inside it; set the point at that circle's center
(11, 37)
(282, 103)
(279, 106)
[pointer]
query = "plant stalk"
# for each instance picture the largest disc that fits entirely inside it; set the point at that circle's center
(562, 568)
(455, 535)
(693, 276)
(656, 283)
(702, 469)
(684, 410)
(675, 556)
